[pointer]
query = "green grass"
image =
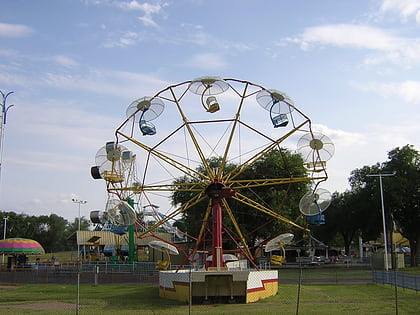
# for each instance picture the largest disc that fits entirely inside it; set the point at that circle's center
(138, 299)
(333, 274)
(411, 270)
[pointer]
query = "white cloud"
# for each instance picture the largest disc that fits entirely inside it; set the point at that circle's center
(65, 61)
(148, 9)
(353, 150)
(15, 30)
(125, 39)
(8, 53)
(13, 79)
(115, 83)
(409, 91)
(148, 21)
(344, 138)
(348, 35)
(209, 61)
(404, 8)
(388, 48)
(199, 37)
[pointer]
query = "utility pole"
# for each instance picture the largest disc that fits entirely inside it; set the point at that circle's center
(3, 115)
(79, 202)
(4, 233)
(380, 175)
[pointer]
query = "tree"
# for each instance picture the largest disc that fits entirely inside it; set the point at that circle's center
(74, 226)
(401, 193)
(254, 224)
(404, 195)
(50, 231)
(18, 225)
(349, 216)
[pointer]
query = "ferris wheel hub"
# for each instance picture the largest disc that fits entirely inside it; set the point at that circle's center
(219, 190)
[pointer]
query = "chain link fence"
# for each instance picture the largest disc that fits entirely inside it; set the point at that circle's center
(302, 288)
(402, 280)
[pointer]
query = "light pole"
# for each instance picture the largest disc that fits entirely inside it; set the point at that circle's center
(79, 202)
(3, 115)
(380, 175)
(4, 234)
(4, 226)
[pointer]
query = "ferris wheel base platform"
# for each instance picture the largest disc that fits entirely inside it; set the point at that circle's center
(218, 286)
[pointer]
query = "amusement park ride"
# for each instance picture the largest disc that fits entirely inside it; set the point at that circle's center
(207, 118)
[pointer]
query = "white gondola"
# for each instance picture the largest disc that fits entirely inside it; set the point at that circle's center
(146, 128)
(279, 120)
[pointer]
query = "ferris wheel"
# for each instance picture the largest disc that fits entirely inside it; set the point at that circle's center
(196, 122)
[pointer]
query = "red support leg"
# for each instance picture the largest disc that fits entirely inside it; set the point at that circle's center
(217, 248)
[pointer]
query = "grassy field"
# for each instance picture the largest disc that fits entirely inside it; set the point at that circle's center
(136, 299)
(414, 270)
(331, 274)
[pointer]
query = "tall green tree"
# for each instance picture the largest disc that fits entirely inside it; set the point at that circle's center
(50, 231)
(404, 195)
(74, 226)
(348, 217)
(18, 225)
(401, 194)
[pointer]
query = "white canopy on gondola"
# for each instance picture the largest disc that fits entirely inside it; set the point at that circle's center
(226, 258)
(164, 247)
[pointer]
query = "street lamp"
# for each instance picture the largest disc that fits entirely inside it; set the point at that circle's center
(380, 175)
(3, 115)
(4, 226)
(4, 233)
(79, 202)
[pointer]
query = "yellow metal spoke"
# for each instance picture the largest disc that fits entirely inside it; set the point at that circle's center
(192, 135)
(229, 143)
(236, 226)
(165, 187)
(241, 168)
(203, 226)
(193, 201)
(238, 184)
(180, 166)
(248, 201)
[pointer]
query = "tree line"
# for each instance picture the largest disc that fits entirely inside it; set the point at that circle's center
(51, 231)
(358, 211)
(353, 213)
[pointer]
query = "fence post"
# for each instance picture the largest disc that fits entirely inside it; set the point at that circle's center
(96, 275)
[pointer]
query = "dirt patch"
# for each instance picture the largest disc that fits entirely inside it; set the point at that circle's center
(44, 306)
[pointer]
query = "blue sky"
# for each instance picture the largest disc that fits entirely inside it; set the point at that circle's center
(75, 66)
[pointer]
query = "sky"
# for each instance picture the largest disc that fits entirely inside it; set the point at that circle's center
(75, 65)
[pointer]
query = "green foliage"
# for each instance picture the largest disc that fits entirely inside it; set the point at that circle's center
(403, 194)
(50, 231)
(348, 216)
(360, 210)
